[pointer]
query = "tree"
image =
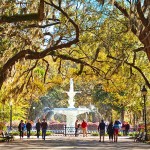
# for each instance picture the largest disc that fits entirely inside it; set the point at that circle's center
(138, 15)
(62, 32)
(48, 48)
(21, 7)
(52, 18)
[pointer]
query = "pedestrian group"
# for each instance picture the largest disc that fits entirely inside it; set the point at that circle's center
(112, 129)
(25, 128)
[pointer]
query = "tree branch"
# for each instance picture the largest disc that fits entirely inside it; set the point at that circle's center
(140, 13)
(47, 67)
(123, 10)
(133, 66)
(28, 54)
(25, 17)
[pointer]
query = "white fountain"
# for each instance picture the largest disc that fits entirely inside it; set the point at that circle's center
(71, 93)
(71, 112)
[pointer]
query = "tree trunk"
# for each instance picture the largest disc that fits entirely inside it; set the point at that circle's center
(147, 47)
(122, 114)
(144, 37)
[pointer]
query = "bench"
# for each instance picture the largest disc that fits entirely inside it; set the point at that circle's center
(4, 136)
(140, 137)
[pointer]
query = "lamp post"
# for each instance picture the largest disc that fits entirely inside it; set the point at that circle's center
(3, 110)
(10, 115)
(144, 92)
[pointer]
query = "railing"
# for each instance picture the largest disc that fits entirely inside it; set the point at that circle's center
(69, 130)
(64, 130)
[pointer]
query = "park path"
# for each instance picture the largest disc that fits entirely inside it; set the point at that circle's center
(72, 143)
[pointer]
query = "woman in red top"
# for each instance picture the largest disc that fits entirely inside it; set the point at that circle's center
(84, 128)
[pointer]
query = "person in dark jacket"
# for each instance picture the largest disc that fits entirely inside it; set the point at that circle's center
(28, 126)
(127, 127)
(110, 131)
(101, 129)
(76, 127)
(38, 127)
(44, 128)
(21, 128)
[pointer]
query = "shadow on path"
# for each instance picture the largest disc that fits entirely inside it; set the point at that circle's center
(62, 143)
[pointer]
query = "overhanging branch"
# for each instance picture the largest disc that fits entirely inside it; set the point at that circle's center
(133, 66)
(141, 15)
(25, 17)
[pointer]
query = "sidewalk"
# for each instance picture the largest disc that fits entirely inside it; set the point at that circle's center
(72, 143)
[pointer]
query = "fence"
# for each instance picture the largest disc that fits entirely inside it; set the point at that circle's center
(69, 130)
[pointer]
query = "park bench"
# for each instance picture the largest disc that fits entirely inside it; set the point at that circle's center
(140, 137)
(4, 136)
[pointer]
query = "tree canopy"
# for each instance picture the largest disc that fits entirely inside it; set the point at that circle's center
(43, 43)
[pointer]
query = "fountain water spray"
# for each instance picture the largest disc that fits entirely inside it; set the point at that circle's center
(71, 112)
(71, 93)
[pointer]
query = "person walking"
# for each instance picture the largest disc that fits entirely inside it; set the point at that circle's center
(123, 128)
(110, 131)
(127, 127)
(44, 128)
(76, 127)
(116, 131)
(38, 127)
(21, 128)
(24, 128)
(28, 126)
(84, 128)
(101, 129)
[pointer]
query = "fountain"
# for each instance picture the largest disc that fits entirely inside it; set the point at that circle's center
(71, 112)
(71, 93)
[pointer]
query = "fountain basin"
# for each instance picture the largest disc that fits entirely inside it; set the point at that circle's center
(71, 114)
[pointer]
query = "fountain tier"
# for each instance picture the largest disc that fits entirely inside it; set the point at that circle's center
(71, 114)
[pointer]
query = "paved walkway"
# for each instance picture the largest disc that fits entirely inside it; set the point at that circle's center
(72, 143)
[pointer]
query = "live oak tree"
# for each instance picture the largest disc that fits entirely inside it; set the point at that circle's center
(50, 19)
(137, 13)
(46, 36)
(37, 33)
(137, 16)
(28, 38)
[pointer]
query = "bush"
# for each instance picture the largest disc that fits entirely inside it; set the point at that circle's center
(32, 133)
(48, 133)
(120, 134)
(15, 132)
(2, 126)
(56, 126)
(95, 134)
(131, 134)
(92, 126)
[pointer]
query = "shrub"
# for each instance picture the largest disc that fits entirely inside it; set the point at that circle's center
(48, 133)
(131, 134)
(15, 132)
(33, 133)
(92, 126)
(56, 126)
(95, 134)
(120, 134)
(2, 126)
